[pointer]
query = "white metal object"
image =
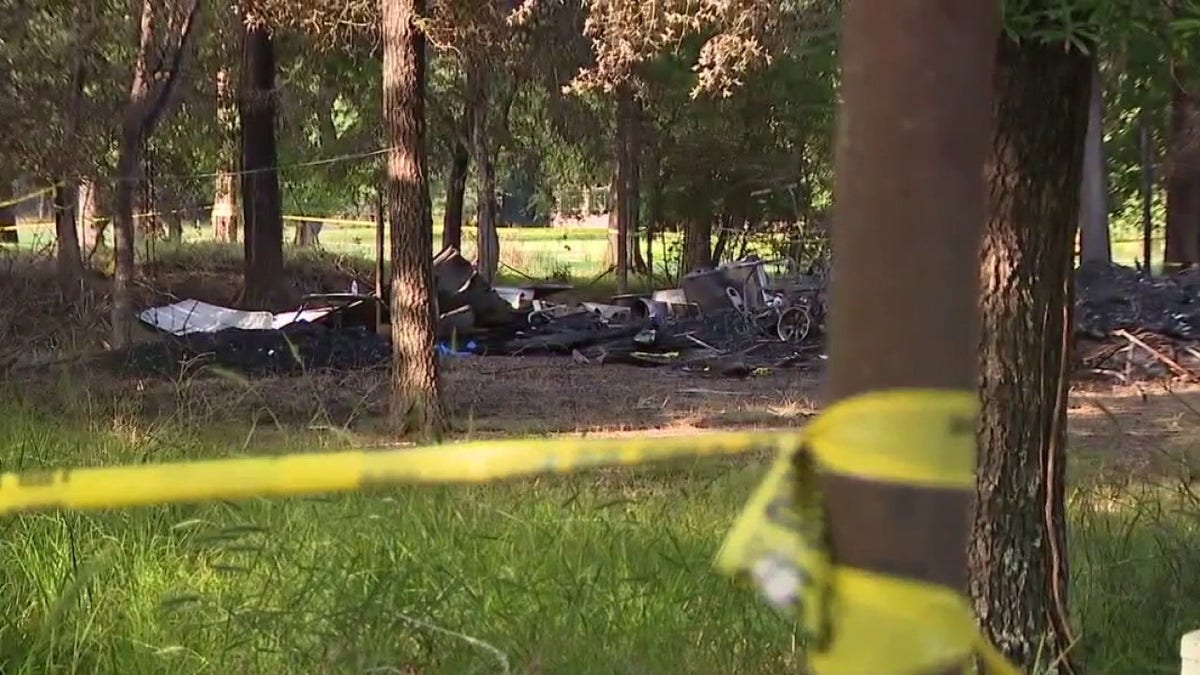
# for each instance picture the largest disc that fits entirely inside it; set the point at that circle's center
(1189, 653)
(194, 316)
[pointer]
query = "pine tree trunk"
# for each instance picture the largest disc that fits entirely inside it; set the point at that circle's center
(1018, 549)
(456, 187)
(261, 208)
(416, 406)
(1095, 244)
(1183, 177)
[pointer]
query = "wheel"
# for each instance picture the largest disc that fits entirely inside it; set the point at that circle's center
(793, 325)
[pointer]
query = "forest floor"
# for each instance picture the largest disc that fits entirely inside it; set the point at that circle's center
(603, 572)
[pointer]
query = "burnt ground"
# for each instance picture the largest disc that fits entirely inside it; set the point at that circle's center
(1120, 431)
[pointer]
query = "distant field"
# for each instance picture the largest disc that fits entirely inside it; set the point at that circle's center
(539, 252)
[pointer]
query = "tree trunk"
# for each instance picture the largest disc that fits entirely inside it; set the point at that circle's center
(416, 405)
(487, 239)
(261, 209)
(8, 226)
(911, 143)
(174, 222)
(123, 233)
(148, 96)
(620, 187)
(225, 214)
(1183, 178)
(307, 233)
(1095, 243)
(1018, 552)
(1147, 190)
(633, 175)
(66, 193)
(697, 245)
(128, 154)
(70, 263)
(456, 187)
(725, 222)
(92, 220)
(654, 207)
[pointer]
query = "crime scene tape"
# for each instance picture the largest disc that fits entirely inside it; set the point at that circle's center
(233, 478)
(25, 197)
(17, 200)
(916, 437)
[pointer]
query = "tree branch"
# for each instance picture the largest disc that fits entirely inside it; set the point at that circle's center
(158, 102)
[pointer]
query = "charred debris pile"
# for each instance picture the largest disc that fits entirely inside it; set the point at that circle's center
(730, 320)
(1131, 326)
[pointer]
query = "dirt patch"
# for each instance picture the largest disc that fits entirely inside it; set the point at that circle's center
(488, 396)
(1135, 429)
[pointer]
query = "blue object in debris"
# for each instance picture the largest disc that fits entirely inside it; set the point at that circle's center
(468, 349)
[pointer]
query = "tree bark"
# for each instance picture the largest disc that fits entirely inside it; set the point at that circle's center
(1095, 244)
(70, 262)
(307, 233)
(225, 215)
(456, 187)
(1147, 190)
(416, 406)
(123, 233)
(129, 151)
(66, 192)
(911, 144)
(173, 219)
(697, 245)
(1018, 549)
(620, 187)
(633, 183)
(487, 238)
(91, 219)
(148, 96)
(1183, 178)
(261, 208)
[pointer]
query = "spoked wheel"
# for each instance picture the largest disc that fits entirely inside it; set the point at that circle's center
(793, 325)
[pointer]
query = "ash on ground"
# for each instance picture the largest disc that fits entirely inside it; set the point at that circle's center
(1131, 326)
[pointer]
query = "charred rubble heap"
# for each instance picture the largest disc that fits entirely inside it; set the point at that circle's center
(1131, 325)
(730, 320)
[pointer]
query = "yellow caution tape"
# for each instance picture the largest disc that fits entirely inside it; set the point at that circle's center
(862, 622)
(17, 200)
(343, 471)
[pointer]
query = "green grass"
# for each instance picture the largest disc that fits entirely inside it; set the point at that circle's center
(608, 572)
(596, 574)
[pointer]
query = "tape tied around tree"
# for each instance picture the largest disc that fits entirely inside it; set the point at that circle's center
(863, 620)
